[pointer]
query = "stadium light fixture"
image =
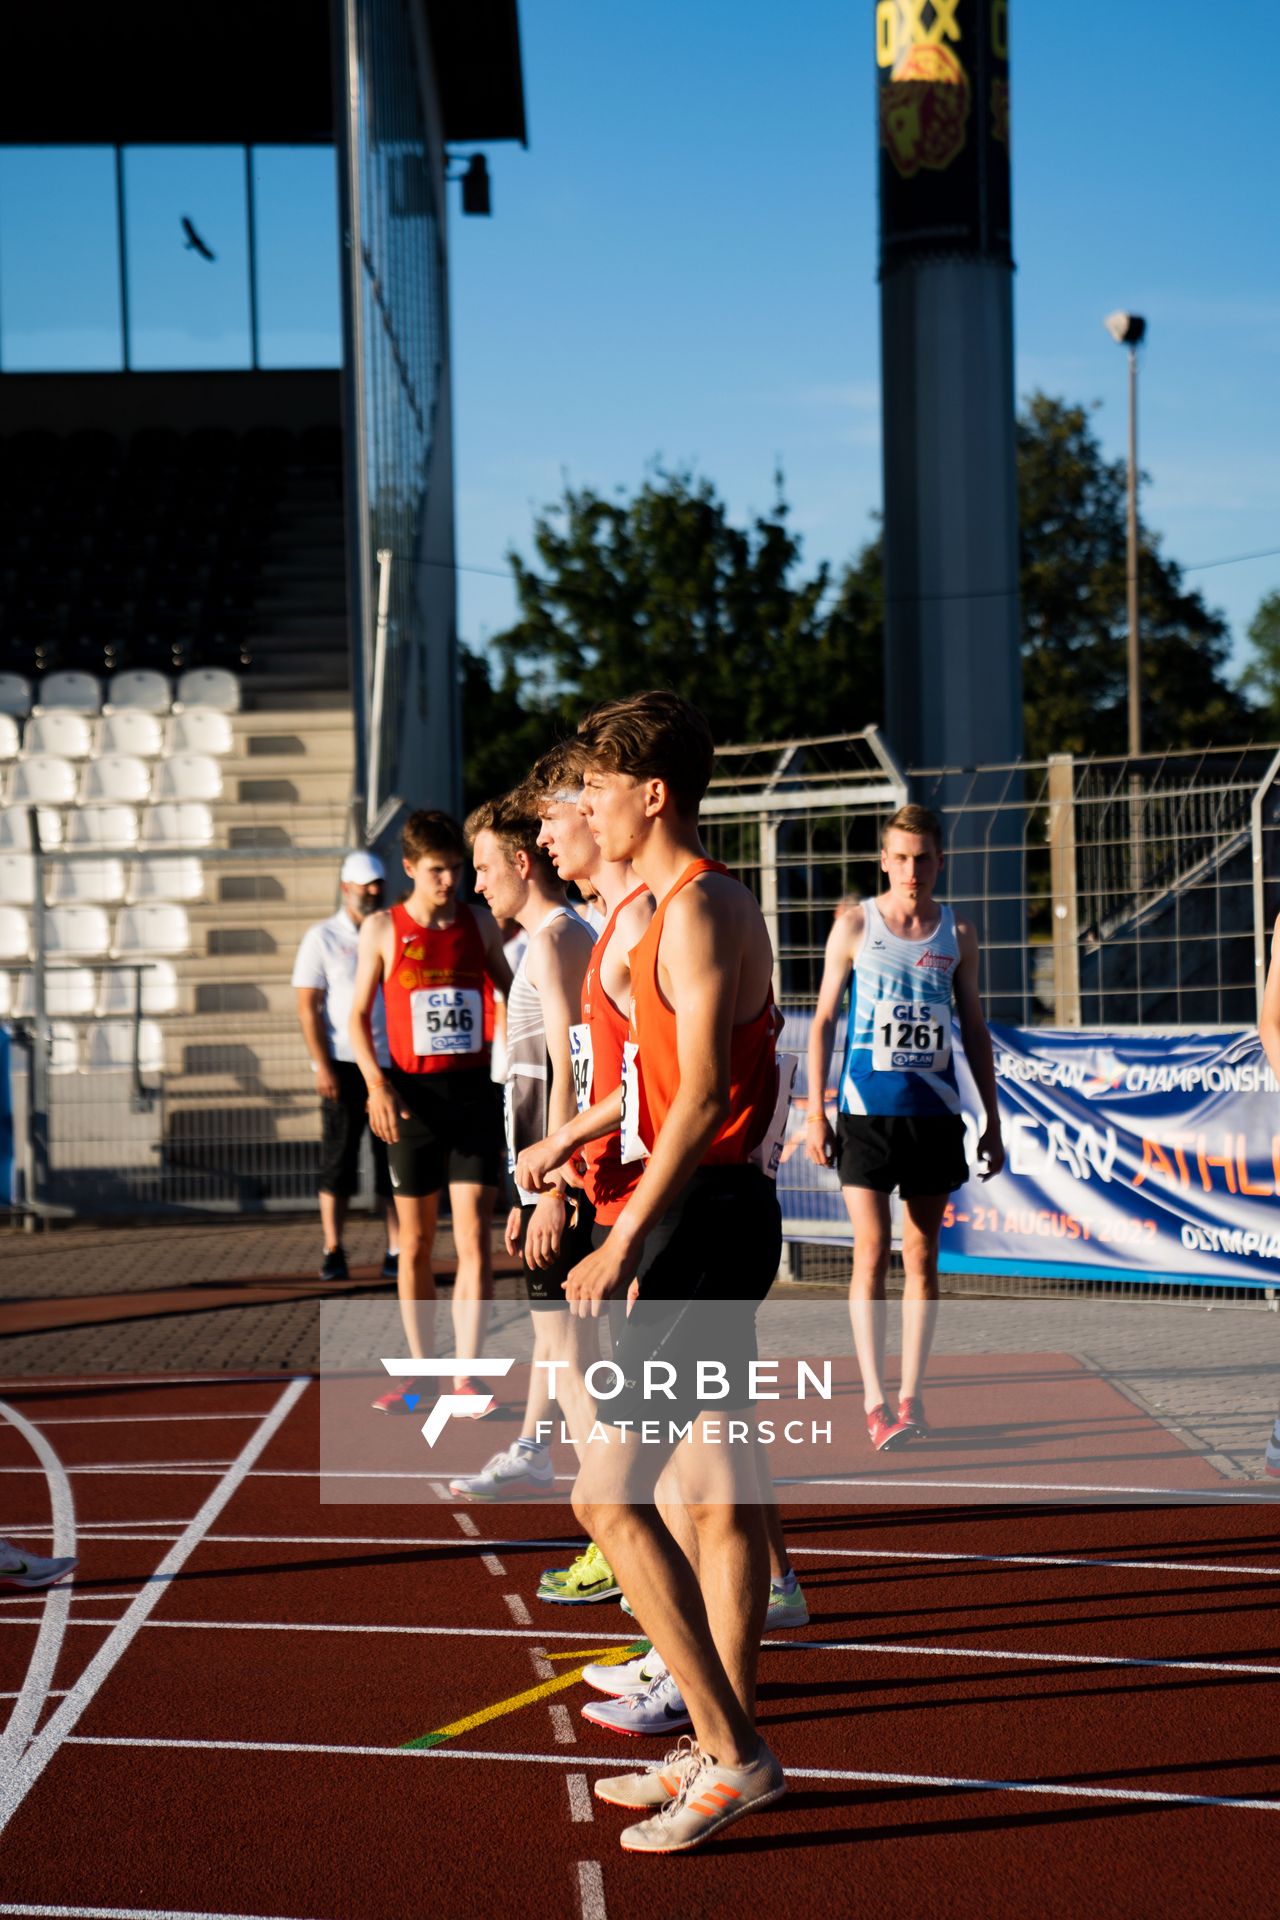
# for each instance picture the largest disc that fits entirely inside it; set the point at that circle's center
(1130, 330)
(476, 194)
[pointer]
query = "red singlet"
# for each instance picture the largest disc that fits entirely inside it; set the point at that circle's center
(610, 1184)
(438, 995)
(753, 1066)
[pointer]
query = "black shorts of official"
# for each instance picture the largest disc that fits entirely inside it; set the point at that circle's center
(342, 1124)
(707, 1264)
(545, 1285)
(453, 1131)
(921, 1154)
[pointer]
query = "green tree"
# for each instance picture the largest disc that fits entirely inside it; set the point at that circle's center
(1074, 607)
(1262, 675)
(663, 590)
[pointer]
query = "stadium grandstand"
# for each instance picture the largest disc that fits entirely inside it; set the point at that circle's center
(227, 625)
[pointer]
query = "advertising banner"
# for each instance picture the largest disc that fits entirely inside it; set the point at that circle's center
(6, 1123)
(1144, 1156)
(1137, 1156)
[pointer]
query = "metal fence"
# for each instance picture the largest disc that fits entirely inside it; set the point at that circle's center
(1106, 893)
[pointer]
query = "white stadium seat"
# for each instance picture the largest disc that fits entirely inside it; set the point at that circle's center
(139, 691)
(100, 882)
(159, 991)
(68, 734)
(10, 738)
(208, 687)
(188, 776)
(178, 877)
(7, 983)
(81, 933)
(80, 692)
(111, 1046)
(17, 879)
(15, 934)
(68, 993)
(200, 730)
(178, 823)
(15, 695)
(46, 778)
(160, 927)
(116, 776)
(64, 1054)
(15, 828)
(108, 827)
(131, 732)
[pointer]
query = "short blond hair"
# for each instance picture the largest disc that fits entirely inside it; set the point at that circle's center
(917, 820)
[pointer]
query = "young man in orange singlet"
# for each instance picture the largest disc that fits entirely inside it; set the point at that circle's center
(702, 1236)
(596, 1041)
(436, 960)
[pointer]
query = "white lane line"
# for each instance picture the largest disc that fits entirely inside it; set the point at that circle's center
(1033, 1560)
(467, 1525)
(439, 1489)
(1257, 1490)
(1026, 1656)
(591, 1890)
(130, 1913)
(136, 1419)
(956, 1782)
(1009, 1653)
(580, 1807)
(159, 1467)
(492, 1564)
(333, 1626)
(542, 1667)
(14, 1789)
(51, 1382)
(55, 1601)
(561, 1725)
(518, 1610)
(118, 1530)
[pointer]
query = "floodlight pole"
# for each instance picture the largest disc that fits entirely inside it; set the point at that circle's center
(1135, 645)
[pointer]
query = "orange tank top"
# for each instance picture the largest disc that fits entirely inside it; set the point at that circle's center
(598, 1044)
(753, 1064)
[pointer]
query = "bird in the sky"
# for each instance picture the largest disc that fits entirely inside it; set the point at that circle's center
(193, 243)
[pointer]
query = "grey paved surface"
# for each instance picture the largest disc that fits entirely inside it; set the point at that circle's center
(1212, 1376)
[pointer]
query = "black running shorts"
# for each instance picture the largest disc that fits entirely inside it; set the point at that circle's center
(707, 1264)
(342, 1125)
(545, 1285)
(453, 1131)
(919, 1154)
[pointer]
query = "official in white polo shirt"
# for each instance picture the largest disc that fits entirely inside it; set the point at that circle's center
(324, 975)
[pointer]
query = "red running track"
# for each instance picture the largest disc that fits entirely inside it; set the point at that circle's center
(211, 1721)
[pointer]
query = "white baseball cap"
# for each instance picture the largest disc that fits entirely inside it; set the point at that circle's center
(362, 869)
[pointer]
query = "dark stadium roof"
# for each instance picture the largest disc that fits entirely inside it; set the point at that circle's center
(184, 73)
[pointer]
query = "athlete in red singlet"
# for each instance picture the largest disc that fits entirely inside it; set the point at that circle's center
(702, 1236)
(437, 961)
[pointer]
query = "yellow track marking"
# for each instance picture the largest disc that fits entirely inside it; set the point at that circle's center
(607, 1656)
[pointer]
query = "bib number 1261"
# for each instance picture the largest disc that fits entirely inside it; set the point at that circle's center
(911, 1036)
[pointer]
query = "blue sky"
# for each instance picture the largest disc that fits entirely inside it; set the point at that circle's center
(682, 265)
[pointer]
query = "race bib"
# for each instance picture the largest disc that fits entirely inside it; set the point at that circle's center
(583, 1062)
(911, 1036)
(768, 1155)
(633, 1147)
(446, 1020)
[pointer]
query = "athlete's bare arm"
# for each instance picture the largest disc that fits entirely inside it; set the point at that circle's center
(558, 958)
(715, 967)
(843, 944)
(311, 1019)
(1269, 1018)
(372, 963)
(977, 1049)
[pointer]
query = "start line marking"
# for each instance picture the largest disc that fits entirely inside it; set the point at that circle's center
(947, 1782)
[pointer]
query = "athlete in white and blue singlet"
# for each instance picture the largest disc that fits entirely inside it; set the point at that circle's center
(914, 966)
